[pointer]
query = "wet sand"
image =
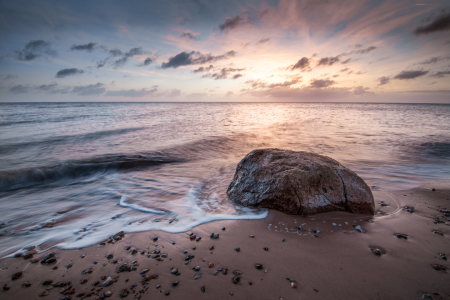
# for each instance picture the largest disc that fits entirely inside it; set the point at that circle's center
(327, 259)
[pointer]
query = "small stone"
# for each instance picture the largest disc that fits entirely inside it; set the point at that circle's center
(49, 261)
(225, 271)
(401, 236)
(211, 248)
(384, 204)
(144, 271)
(196, 268)
(203, 289)
(69, 266)
(237, 249)
(108, 294)
(34, 260)
(236, 279)
(283, 240)
(192, 237)
(198, 276)
(175, 283)
(358, 228)
(293, 285)
(198, 238)
(155, 239)
(44, 294)
(442, 255)
(107, 282)
(214, 235)
(124, 293)
(109, 256)
(231, 293)
(16, 275)
(211, 264)
(266, 249)
(158, 286)
(376, 252)
(433, 190)
(252, 236)
(426, 296)
(83, 281)
(439, 267)
(259, 266)
(134, 251)
(47, 282)
(250, 283)
(167, 293)
(26, 284)
(49, 224)
(223, 228)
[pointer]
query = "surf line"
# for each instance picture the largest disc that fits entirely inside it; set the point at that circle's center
(123, 203)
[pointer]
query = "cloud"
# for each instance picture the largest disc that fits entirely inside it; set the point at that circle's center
(328, 61)
(47, 87)
(236, 76)
(88, 47)
(367, 50)
(203, 69)
(194, 58)
(441, 23)
(9, 76)
(68, 72)
(302, 64)
(223, 73)
(321, 83)
(188, 36)
(262, 41)
(147, 61)
(121, 61)
(260, 84)
(19, 89)
(383, 80)
(359, 90)
(131, 93)
(233, 23)
(34, 49)
(441, 74)
(89, 90)
(410, 74)
(434, 60)
(344, 70)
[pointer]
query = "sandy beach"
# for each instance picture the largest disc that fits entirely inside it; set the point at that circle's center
(324, 256)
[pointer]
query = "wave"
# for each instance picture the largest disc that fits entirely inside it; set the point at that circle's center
(65, 139)
(11, 180)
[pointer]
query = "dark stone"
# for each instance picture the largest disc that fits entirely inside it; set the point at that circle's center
(258, 266)
(236, 279)
(175, 283)
(16, 275)
(237, 249)
(293, 182)
(203, 289)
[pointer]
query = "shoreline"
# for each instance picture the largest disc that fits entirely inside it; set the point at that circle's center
(335, 261)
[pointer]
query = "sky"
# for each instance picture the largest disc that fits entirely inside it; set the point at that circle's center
(238, 51)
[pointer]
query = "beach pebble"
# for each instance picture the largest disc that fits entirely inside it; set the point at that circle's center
(83, 281)
(442, 256)
(237, 249)
(175, 283)
(44, 294)
(107, 282)
(167, 293)
(266, 249)
(231, 293)
(192, 237)
(211, 248)
(124, 268)
(109, 256)
(198, 238)
(293, 285)
(144, 271)
(134, 251)
(223, 228)
(214, 235)
(283, 240)
(26, 284)
(6, 287)
(124, 293)
(439, 267)
(433, 190)
(155, 239)
(185, 252)
(196, 268)
(47, 282)
(34, 260)
(250, 283)
(225, 271)
(259, 266)
(401, 236)
(189, 257)
(175, 272)
(198, 276)
(16, 275)
(376, 251)
(49, 224)
(358, 228)
(69, 266)
(211, 264)
(203, 289)
(426, 296)
(251, 236)
(108, 294)
(236, 279)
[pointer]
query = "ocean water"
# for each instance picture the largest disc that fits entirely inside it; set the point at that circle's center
(94, 169)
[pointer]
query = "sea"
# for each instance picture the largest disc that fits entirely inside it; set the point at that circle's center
(73, 174)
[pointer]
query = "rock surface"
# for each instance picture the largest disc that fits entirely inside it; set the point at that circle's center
(300, 183)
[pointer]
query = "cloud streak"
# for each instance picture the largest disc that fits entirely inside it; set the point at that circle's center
(34, 49)
(441, 23)
(68, 72)
(405, 75)
(194, 58)
(88, 47)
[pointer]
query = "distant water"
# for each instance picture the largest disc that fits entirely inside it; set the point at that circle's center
(98, 168)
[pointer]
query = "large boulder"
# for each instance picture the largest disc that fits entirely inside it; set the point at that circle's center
(298, 183)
